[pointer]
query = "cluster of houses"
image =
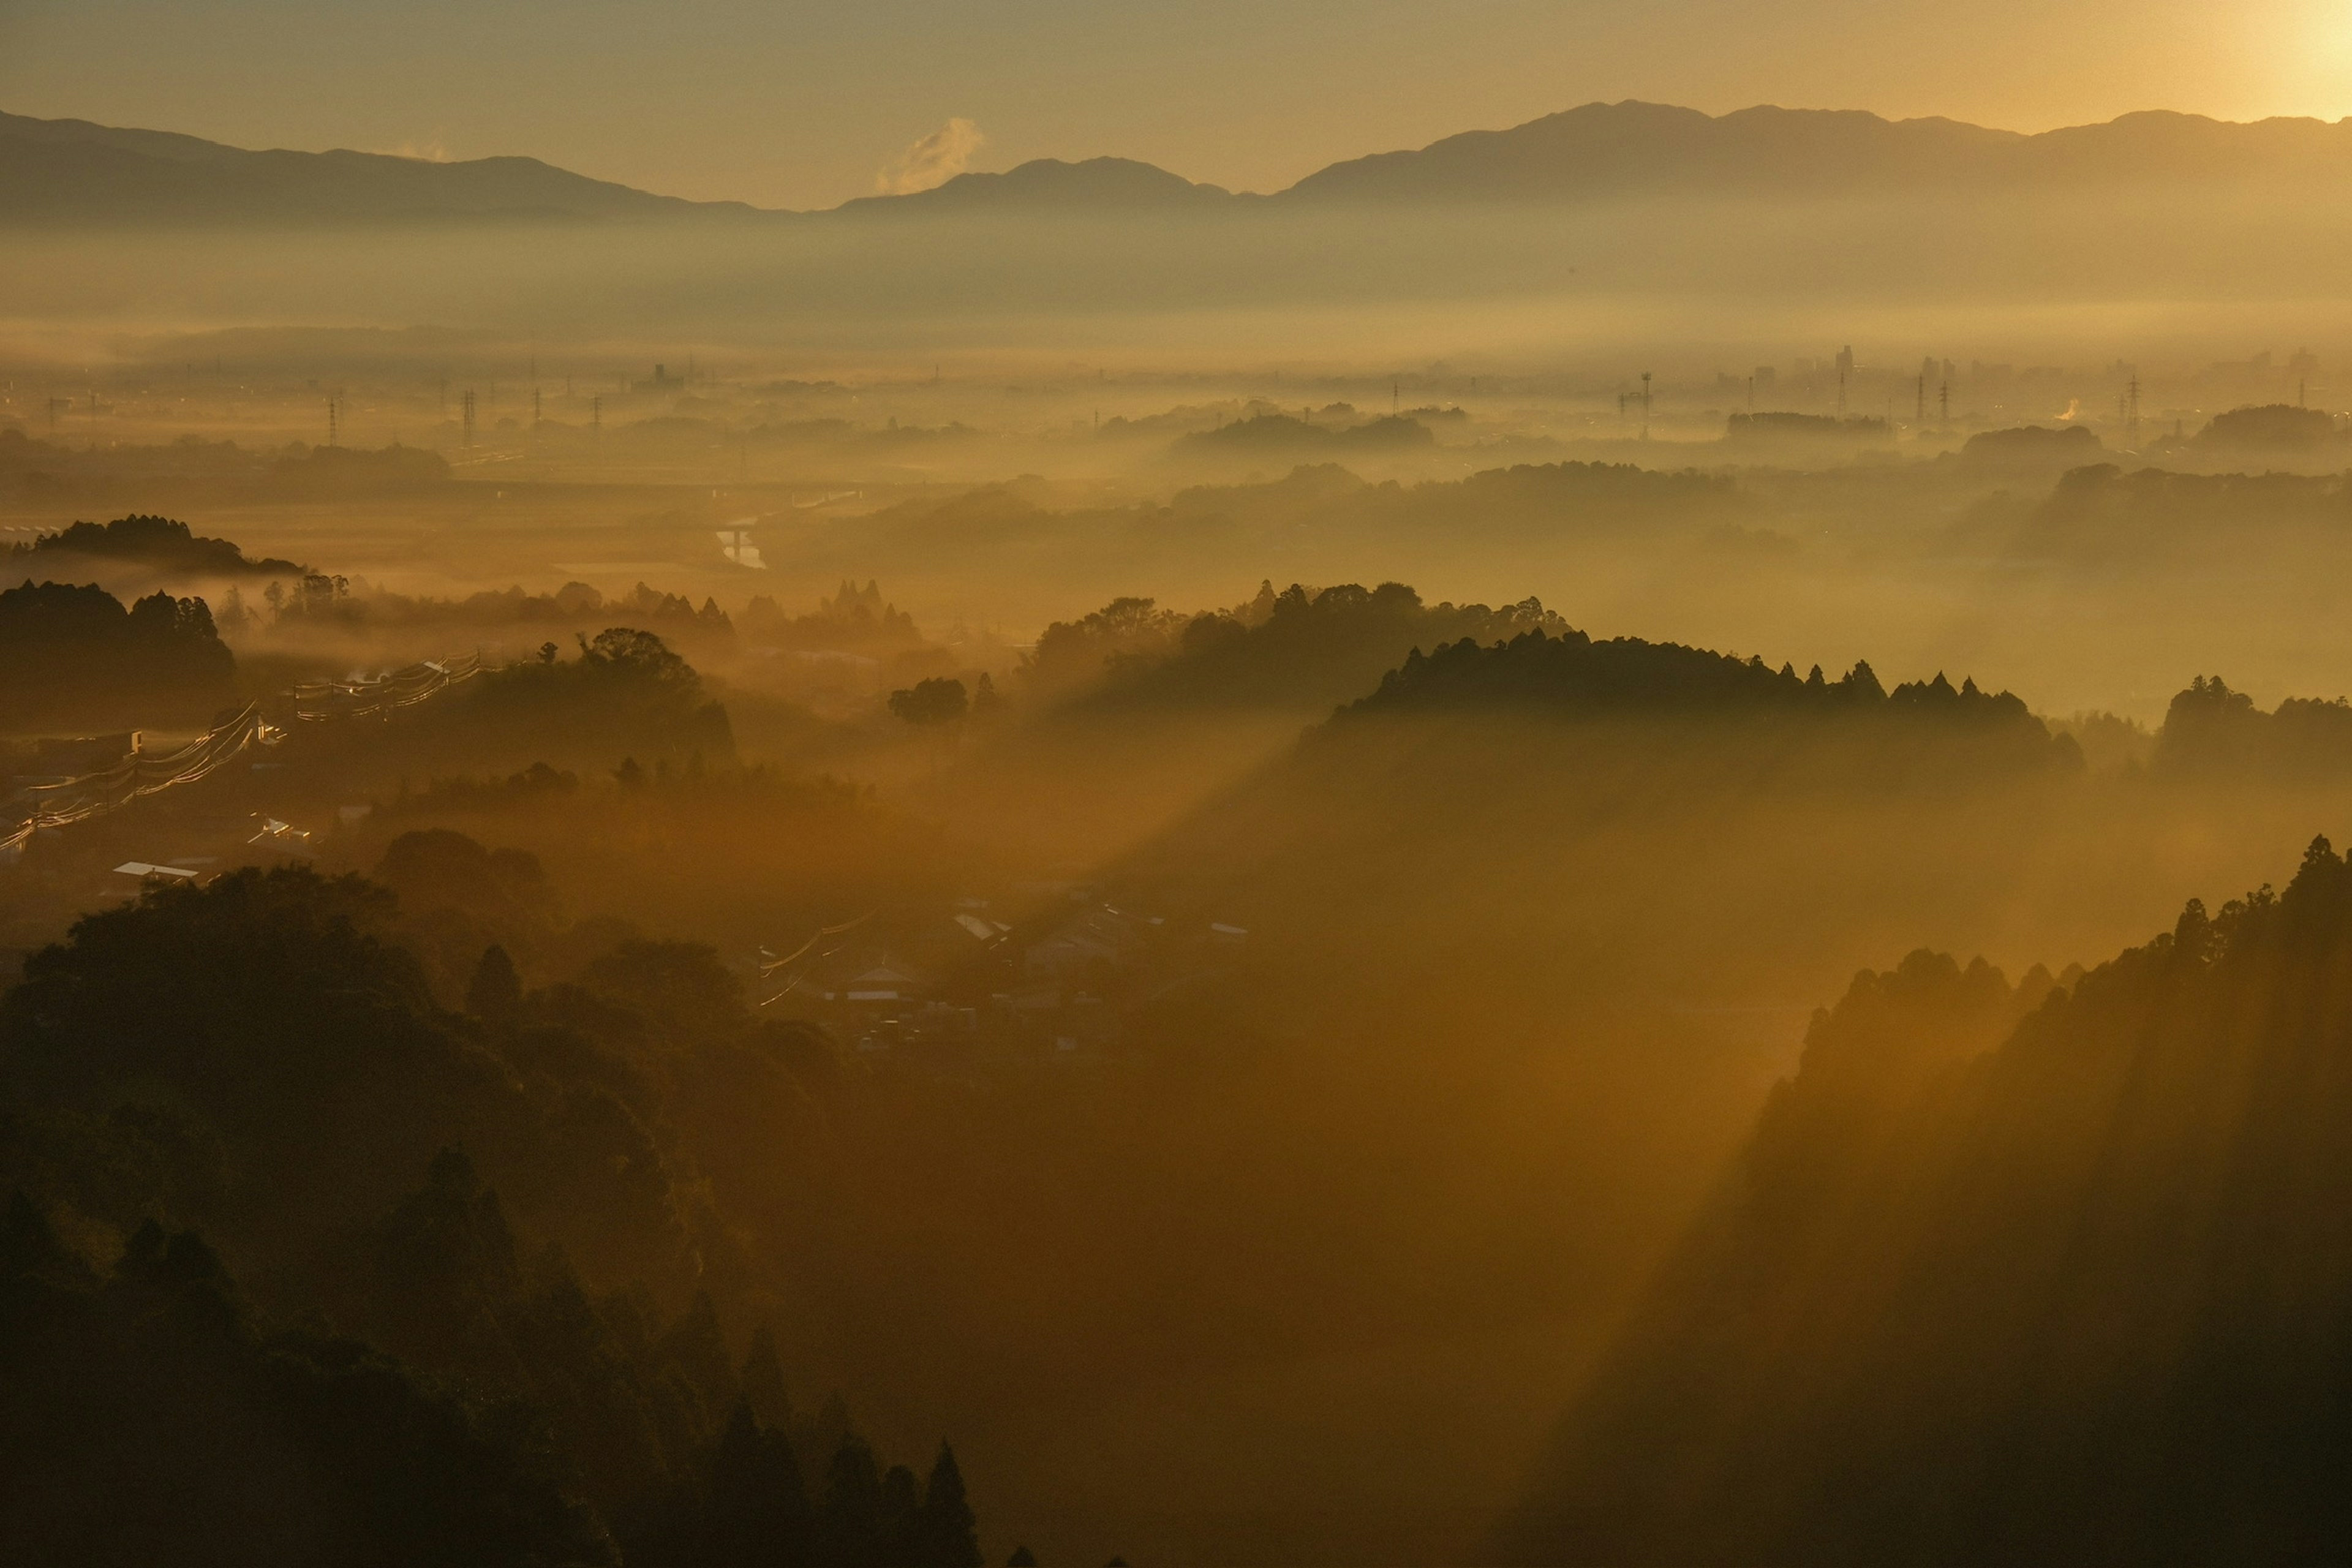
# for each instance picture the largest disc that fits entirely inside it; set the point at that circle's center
(952, 987)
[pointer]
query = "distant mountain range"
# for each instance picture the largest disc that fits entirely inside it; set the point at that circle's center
(69, 172)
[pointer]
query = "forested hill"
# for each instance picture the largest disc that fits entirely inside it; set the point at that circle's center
(1299, 648)
(2078, 1294)
(299, 1263)
(1572, 674)
(159, 545)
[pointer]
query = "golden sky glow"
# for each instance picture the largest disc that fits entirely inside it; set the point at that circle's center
(804, 104)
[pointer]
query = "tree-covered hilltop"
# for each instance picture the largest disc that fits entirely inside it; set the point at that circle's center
(622, 693)
(157, 544)
(1300, 647)
(2210, 731)
(2051, 1274)
(300, 1263)
(1572, 674)
(76, 658)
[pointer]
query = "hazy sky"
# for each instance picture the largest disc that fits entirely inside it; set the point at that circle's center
(789, 104)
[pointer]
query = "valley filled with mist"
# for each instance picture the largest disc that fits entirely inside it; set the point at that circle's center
(1607, 843)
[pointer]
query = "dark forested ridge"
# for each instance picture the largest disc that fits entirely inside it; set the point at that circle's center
(2056, 1273)
(299, 1263)
(1572, 674)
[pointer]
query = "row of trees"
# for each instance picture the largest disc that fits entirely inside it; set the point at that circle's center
(159, 545)
(77, 657)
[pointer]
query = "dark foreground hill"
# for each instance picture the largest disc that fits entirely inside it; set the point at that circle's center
(2033, 1275)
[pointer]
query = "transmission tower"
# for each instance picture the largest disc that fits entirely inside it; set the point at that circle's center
(467, 440)
(1645, 405)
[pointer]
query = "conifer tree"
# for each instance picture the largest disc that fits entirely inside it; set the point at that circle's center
(948, 1537)
(758, 1509)
(849, 1524)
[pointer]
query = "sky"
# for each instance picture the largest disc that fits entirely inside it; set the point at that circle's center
(789, 104)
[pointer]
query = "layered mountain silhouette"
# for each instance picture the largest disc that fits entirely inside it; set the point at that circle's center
(1049, 183)
(1637, 149)
(70, 172)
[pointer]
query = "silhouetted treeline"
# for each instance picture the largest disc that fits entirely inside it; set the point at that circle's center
(2151, 516)
(2057, 1274)
(1299, 647)
(75, 657)
(2031, 446)
(449, 1302)
(622, 693)
(1803, 427)
(2271, 430)
(315, 600)
(2210, 730)
(855, 619)
(1284, 435)
(1572, 673)
(158, 544)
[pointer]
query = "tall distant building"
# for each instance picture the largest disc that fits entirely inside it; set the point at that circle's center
(2303, 369)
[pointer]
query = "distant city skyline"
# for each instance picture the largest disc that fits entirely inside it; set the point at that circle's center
(800, 105)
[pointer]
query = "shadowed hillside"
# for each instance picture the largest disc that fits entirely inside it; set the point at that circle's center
(2043, 1275)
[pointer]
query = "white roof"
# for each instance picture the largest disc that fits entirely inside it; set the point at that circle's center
(140, 868)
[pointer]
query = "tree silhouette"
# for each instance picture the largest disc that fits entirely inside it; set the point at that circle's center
(758, 1508)
(929, 703)
(495, 991)
(948, 1537)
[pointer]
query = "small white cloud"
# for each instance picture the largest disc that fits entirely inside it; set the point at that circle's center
(932, 161)
(432, 152)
